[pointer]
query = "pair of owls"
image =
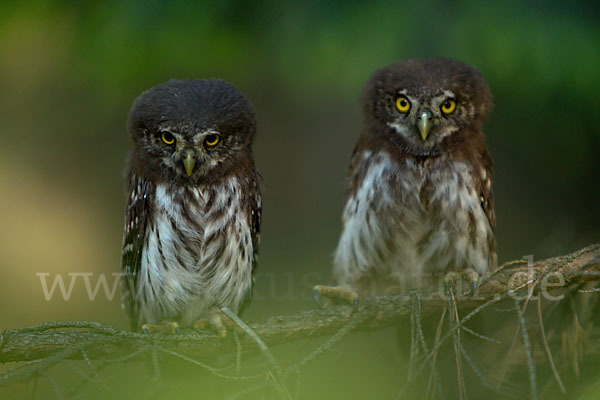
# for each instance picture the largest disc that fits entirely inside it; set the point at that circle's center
(419, 200)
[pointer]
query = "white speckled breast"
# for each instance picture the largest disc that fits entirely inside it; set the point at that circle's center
(405, 222)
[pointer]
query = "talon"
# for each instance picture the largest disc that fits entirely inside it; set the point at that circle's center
(317, 296)
(355, 305)
(450, 279)
(174, 327)
(229, 324)
(474, 282)
(474, 286)
(216, 321)
(200, 325)
(468, 274)
(336, 293)
(169, 326)
(222, 333)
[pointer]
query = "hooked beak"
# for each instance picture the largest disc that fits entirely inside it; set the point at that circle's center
(189, 160)
(424, 123)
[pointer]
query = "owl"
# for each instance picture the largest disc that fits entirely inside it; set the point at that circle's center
(193, 211)
(419, 203)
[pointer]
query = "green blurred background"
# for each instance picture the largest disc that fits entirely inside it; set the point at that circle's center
(69, 72)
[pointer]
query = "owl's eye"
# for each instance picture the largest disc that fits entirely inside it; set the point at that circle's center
(212, 140)
(448, 106)
(167, 137)
(402, 104)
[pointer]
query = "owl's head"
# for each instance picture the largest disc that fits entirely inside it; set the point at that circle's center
(190, 131)
(426, 106)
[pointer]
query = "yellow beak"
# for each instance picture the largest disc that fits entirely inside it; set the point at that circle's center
(424, 124)
(189, 161)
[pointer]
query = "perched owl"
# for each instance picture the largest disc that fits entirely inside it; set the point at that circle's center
(420, 197)
(193, 205)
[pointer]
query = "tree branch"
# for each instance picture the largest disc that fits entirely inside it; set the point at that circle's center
(50, 343)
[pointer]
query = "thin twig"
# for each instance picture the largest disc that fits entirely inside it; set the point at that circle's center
(434, 373)
(464, 320)
(238, 352)
(547, 348)
(82, 374)
(452, 321)
(53, 383)
(261, 345)
(90, 364)
(212, 370)
(509, 354)
(352, 323)
(528, 353)
(480, 336)
(155, 363)
(438, 333)
(413, 346)
(72, 391)
(32, 392)
(482, 378)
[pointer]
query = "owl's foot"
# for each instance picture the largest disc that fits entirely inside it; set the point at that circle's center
(217, 321)
(167, 326)
(460, 278)
(335, 294)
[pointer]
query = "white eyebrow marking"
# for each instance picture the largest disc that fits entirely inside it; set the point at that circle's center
(167, 128)
(199, 136)
(440, 98)
(413, 100)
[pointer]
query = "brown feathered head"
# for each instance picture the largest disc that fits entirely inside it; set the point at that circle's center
(426, 106)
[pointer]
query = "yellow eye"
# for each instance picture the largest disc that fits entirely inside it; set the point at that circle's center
(448, 106)
(212, 140)
(167, 138)
(402, 104)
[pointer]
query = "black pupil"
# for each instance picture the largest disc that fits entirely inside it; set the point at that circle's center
(402, 103)
(211, 139)
(447, 104)
(167, 136)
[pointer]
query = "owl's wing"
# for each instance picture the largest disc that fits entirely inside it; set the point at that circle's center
(255, 215)
(137, 219)
(484, 185)
(356, 171)
(486, 200)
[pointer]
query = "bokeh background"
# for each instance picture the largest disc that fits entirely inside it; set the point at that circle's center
(69, 72)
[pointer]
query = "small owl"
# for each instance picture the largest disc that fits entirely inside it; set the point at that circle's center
(420, 199)
(193, 205)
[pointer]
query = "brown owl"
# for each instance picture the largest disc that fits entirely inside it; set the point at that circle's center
(420, 197)
(193, 205)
